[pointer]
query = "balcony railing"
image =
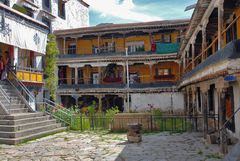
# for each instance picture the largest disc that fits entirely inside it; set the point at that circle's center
(166, 48)
(27, 74)
(230, 51)
(118, 86)
(162, 48)
(200, 59)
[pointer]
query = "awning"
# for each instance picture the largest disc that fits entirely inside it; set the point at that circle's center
(20, 32)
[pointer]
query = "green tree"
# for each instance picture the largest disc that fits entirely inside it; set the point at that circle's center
(51, 67)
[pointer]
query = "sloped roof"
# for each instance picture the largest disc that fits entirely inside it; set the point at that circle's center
(125, 27)
(197, 16)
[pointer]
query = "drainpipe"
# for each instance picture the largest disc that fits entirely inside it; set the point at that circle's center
(127, 67)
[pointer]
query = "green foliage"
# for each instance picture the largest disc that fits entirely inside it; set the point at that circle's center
(91, 108)
(20, 8)
(112, 111)
(157, 111)
(51, 67)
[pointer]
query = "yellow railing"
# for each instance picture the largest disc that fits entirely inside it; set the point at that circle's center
(29, 76)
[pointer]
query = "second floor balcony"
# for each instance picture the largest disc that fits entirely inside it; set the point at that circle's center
(157, 49)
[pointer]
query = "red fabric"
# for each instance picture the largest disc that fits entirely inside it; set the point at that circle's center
(112, 80)
(164, 76)
(1, 66)
(11, 52)
(153, 47)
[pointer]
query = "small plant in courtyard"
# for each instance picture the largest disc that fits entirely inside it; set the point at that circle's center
(112, 111)
(91, 108)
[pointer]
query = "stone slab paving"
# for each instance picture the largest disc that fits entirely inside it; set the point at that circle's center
(102, 146)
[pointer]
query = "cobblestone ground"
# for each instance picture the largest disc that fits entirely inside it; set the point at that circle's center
(101, 146)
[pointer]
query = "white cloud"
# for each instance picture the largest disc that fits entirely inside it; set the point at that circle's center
(123, 10)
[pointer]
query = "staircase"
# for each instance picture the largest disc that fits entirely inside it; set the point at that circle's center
(18, 123)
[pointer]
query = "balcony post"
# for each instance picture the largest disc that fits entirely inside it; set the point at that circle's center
(124, 41)
(100, 102)
(204, 41)
(150, 72)
(150, 38)
(76, 39)
(76, 75)
(124, 74)
(64, 45)
(193, 55)
(220, 23)
(98, 43)
(99, 75)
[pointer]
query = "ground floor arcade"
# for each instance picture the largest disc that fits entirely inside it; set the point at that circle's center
(218, 101)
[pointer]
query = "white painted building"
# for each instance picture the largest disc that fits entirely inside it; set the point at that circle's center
(57, 14)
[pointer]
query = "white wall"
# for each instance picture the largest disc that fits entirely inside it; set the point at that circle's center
(77, 15)
(141, 102)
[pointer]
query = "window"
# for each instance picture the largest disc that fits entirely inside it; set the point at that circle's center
(166, 38)
(6, 2)
(47, 5)
(2, 21)
(72, 48)
(47, 22)
(135, 46)
(61, 9)
(160, 72)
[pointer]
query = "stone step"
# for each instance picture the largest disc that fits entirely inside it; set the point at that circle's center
(14, 141)
(12, 98)
(31, 131)
(13, 101)
(21, 127)
(21, 116)
(15, 106)
(24, 121)
(18, 110)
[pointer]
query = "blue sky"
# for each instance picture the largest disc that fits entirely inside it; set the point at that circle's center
(124, 11)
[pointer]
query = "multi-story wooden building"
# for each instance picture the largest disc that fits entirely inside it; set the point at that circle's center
(109, 62)
(210, 62)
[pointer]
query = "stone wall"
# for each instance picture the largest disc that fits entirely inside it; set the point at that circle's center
(165, 101)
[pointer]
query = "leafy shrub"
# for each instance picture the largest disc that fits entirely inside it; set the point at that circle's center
(112, 111)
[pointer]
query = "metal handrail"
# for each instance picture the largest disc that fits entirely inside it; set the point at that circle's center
(226, 122)
(55, 104)
(5, 95)
(50, 107)
(24, 90)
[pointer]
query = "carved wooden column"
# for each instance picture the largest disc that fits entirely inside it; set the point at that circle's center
(221, 91)
(76, 75)
(150, 73)
(223, 132)
(204, 90)
(220, 23)
(100, 102)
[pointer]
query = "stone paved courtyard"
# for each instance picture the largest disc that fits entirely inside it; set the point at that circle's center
(101, 146)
